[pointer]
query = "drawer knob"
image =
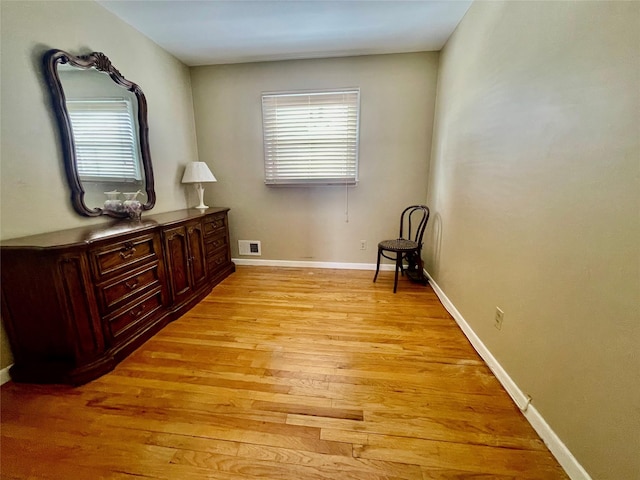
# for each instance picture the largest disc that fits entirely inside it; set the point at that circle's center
(137, 312)
(127, 251)
(132, 284)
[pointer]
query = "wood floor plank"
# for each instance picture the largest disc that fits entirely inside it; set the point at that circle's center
(461, 456)
(340, 413)
(332, 462)
(252, 467)
(100, 456)
(283, 374)
(508, 436)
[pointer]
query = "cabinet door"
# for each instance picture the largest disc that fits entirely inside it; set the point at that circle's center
(75, 290)
(177, 254)
(197, 255)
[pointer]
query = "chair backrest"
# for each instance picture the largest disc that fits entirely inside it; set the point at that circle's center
(413, 221)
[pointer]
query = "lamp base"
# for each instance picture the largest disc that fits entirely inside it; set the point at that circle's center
(200, 190)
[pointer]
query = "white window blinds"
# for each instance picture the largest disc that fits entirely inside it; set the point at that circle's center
(105, 138)
(311, 138)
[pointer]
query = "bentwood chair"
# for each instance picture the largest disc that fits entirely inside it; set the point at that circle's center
(408, 246)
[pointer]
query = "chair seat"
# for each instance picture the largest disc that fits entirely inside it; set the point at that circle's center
(398, 245)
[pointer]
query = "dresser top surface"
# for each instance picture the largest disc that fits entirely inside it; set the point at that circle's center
(94, 233)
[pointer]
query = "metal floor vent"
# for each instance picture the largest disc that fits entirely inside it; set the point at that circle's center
(249, 247)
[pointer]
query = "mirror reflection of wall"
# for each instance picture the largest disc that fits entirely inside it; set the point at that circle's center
(105, 130)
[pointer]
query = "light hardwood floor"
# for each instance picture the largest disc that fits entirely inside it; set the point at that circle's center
(284, 374)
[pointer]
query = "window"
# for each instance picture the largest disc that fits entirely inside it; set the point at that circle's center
(311, 138)
(105, 138)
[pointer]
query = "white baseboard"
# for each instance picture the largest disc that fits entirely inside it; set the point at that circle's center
(4, 375)
(557, 447)
(302, 264)
(524, 402)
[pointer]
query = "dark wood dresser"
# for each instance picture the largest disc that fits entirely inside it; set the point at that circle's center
(76, 302)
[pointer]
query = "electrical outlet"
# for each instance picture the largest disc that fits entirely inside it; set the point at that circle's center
(363, 244)
(499, 318)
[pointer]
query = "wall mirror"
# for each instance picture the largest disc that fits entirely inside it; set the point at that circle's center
(102, 119)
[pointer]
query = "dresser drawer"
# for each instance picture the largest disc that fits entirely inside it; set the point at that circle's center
(217, 261)
(118, 257)
(215, 243)
(136, 315)
(215, 224)
(126, 288)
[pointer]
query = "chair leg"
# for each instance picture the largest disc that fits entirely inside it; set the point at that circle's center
(377, 266)
(398, 267)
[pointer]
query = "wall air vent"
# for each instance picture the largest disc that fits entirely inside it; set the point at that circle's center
(249, 247)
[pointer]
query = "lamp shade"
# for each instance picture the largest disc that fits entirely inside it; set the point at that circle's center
(197, 172)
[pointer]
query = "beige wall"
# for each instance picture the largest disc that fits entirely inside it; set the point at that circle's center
(397, 95)
(34, 193)
(535, 183)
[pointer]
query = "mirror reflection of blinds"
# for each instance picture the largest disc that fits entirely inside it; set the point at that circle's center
(311, 138)
(105, 138)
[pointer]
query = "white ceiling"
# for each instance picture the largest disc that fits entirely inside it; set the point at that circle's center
(209, 32)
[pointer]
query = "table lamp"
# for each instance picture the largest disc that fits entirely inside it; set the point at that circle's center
(198, 173)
